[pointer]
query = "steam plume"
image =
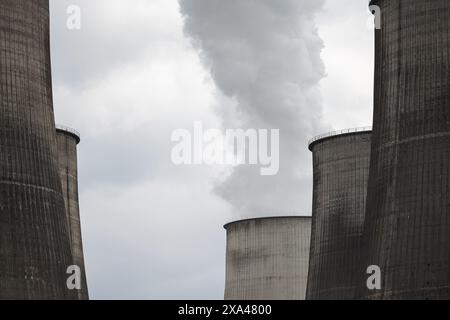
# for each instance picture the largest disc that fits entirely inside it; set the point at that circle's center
(264, 55)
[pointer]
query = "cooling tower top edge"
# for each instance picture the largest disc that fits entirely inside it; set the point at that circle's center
(343, 132)
(265, 218)
(70, 131)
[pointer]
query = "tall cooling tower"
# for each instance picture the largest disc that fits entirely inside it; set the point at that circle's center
(34, 241)
(267, 258)
(407, 228)
(68, 139)
(341, 169)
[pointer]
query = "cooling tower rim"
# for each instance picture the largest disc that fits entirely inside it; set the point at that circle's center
(338, 133)
(68, 130)
(265, 218)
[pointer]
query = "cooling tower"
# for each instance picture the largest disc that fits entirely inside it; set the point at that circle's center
(34, 241)
(341, 169)
(68, 139)
(407, 227)
(267, 258)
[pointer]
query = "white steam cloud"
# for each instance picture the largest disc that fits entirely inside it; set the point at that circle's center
(264, 56)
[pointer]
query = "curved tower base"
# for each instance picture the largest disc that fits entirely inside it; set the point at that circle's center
(34, 241)
(407, 227)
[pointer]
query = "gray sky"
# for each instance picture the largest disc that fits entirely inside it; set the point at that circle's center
(132, 75)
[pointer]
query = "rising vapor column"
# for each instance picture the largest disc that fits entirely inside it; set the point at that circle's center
(68, 140)
(407, 224)
(267, 258)
(34, 242)
(341, 170)
(264, 57)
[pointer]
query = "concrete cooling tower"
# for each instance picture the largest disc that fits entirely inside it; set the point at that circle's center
(407, 227)
(267, 258)
(341, 169)
(68, 139)
(34, 240)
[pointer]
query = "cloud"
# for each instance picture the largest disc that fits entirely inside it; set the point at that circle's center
(265, 57)
(348, 54)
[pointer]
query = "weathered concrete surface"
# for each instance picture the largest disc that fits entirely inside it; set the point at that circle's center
(341, 170)
(68, 170)
(267, 258)
(407, 227)
(34, 241)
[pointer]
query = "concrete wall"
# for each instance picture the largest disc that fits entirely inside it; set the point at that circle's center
(68, 169)
(407, 228)
(34, 241)
(341, 170)
(267, 258)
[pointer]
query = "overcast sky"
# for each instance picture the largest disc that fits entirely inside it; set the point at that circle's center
(135, 72)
